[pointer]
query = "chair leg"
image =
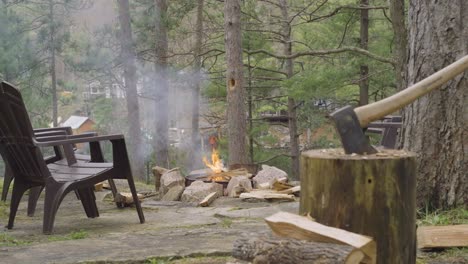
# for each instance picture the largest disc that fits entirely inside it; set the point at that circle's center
(34, 194)
(131, 184)
(8, 178)
(88, 200)
(18, 190)
(54, 193)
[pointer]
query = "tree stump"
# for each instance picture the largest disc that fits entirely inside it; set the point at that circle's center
(373, 195)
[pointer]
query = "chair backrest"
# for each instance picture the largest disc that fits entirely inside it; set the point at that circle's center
(16, 138)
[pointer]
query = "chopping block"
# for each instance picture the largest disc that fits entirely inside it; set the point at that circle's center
(373, 195)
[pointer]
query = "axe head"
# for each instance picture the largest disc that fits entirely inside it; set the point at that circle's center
(350, 131)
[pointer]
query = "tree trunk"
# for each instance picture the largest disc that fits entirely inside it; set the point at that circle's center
(196, 89)
(53, 73)
(397, 14)
(292, 113)
(161, 136)
(372, 195)
(364, 69)
(435, 125)
(235, 83)
(133, 111)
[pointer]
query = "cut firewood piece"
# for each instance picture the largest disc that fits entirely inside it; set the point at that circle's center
(442, 236)
(270, 249)
(98, 186)
(208, 199)
(281, 185)
(105, 185)
(300, 227)
(126, 198)
(227, 175)
(292, 190)
(266, 195)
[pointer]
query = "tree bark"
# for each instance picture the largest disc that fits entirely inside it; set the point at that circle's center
(364, 69)
(435, 126)
(372, 195)
(397, 14)
(53, 72)
(161, 136)
(133, 112)
(292, 113)
(235, 83)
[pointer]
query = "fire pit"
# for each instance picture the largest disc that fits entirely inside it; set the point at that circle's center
(216, 172)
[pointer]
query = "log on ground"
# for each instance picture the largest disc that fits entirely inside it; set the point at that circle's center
(263, 249)
(301, 227)
(442, 236)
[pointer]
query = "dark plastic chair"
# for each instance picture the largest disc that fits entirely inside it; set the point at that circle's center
(41, 133)
(48, 134)
(389, 128)
(21, 151)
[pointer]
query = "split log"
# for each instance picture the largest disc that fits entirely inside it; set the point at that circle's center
(301, 227)
(281, 185)
(269, 249)
(373, 195)
(157, 173)
(266, 196)
(208, 199)
(98, 186)
(442, 236)
(126, 198)
(293, 190)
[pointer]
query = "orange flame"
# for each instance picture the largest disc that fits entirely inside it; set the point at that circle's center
(216, 164)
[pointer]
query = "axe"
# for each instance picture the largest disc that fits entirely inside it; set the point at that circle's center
(349, 122)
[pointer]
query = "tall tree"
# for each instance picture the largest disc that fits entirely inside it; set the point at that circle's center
(364, 69)
(52, 48)
(289, 69)
(236, 123)
(397, 14)
(435, 126)
(161, 108)
(128, 57)
(198, 79)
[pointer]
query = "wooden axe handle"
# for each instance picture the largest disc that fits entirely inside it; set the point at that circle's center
(379, 109)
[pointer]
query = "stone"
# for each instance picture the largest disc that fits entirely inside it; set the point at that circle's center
(157, 173)
(269, 174)
(238, 185)
(171, 179)
(198, 190)
(173, 194)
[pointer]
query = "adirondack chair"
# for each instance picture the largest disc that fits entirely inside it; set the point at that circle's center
(389, 128)
(42, 134)
(48, 134)
(21, 151)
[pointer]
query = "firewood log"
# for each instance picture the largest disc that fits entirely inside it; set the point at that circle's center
(268, 249)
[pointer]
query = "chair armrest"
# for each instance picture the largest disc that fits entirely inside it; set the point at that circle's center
(385, 124)
(66, 129)
(74, 139)
(64, 137)
(50, 133)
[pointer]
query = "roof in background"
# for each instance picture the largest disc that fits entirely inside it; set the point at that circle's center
(75, 121)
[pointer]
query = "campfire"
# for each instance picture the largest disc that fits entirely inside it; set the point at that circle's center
(217, 167)
(215, 170)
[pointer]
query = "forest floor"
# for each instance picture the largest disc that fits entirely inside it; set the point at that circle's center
(174, 232)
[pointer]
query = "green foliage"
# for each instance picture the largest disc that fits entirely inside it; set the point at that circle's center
(9, 241)
(454, 216)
